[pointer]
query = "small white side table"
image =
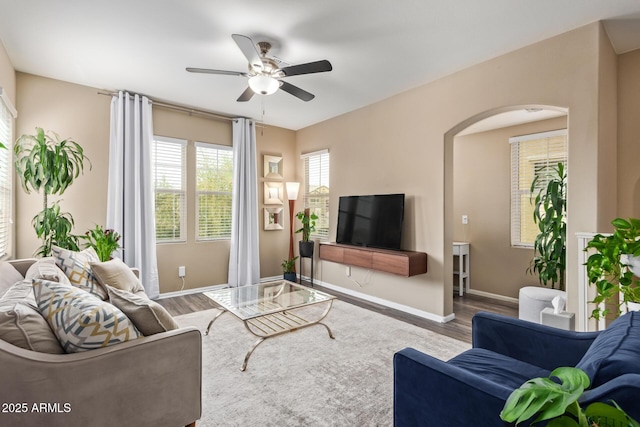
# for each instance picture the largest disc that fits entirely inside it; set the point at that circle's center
(461, 250)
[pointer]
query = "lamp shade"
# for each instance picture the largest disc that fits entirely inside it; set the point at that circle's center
(292, 190)
(264, 85)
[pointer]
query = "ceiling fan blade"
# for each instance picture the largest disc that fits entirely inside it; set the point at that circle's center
(308, 68)
(246, 95)
(210, 71)
(296, 91)
(248, 48)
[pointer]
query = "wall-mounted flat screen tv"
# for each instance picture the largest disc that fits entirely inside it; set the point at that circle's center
(372, 221)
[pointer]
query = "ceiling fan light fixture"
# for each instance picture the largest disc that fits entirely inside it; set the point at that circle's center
(264, 85)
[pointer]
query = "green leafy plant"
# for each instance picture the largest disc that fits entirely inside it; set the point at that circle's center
(549, 214)
(46, 162)
(288, 265)
(308, 221)
(608, 267)
(557, 402)
(104, 242)
(54, 227)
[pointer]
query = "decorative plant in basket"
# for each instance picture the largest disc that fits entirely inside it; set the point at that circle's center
(45, 162)
(608, 268)
(549, 214)
(308, 221)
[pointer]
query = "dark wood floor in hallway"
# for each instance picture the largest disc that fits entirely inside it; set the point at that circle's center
(460, 328)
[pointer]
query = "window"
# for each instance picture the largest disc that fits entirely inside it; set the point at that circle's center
(168, 160)
(532, 156)
(214, 179)
(7, 114)
(316, 189)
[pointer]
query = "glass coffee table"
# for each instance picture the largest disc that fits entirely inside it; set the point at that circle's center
(272, 308)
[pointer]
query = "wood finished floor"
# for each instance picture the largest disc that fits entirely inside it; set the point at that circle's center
(459, 328)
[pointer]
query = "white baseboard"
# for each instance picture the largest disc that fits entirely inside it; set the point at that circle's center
(401, 307)
(207, 288)
(490, 295)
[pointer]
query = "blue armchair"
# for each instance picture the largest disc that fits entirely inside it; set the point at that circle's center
(471, 388)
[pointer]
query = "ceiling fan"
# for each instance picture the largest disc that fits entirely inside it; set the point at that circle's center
(265, 76)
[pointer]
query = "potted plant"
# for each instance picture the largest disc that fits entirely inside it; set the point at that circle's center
(557, 403)
(44, 161)
(104, 242)
(308, 221)
(549, 214)
(288, 269)
(608, 268)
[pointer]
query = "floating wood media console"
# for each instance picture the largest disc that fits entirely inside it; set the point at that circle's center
(403, 263)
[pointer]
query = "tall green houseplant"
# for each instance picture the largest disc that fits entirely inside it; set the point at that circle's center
(46, 162)
(549, 214)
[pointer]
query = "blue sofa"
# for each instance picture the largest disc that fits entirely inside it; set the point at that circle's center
(471, 388)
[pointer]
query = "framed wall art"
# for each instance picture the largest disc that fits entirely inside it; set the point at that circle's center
(273, 167)
(273, 193)
(273, 218)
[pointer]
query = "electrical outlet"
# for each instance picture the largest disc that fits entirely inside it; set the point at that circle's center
(465, 219)
(182, 271)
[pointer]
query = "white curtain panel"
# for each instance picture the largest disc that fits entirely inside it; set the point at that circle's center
(130, 200)
(244, 261)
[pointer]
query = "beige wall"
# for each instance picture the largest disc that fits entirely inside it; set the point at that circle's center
(80, 113)
(482, 190)
(75, 112)
(628, 135)
(405, 144)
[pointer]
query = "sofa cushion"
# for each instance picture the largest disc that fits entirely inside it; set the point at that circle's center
(8, 276)
(615, 351)
(76, 266)
(46, 268)
(148, 316)
(498, 368)
(117, 274)
(22, 325)
(21, 291)
(80, 320)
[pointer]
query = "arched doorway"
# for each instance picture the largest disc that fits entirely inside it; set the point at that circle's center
(491, 231)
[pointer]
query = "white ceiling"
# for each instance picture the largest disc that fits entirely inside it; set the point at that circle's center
(378, 48)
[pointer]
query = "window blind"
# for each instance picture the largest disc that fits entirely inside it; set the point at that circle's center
(168, 158)
(316, 189)
(214, 180)
(7, 114)
(532, 156)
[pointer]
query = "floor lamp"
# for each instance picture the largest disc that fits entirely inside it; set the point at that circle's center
(292, 196)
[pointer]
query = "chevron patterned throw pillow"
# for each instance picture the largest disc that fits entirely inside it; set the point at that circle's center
(81, 321)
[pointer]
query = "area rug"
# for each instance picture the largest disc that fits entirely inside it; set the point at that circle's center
(305, 378)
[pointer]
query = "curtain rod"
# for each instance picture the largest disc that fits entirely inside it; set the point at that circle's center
(179, 107)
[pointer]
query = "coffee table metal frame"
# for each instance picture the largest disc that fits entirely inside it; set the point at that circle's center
(265, 318)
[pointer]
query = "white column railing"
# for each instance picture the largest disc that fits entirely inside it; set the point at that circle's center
(583, 285)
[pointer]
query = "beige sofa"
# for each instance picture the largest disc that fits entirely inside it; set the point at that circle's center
(150, 381)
